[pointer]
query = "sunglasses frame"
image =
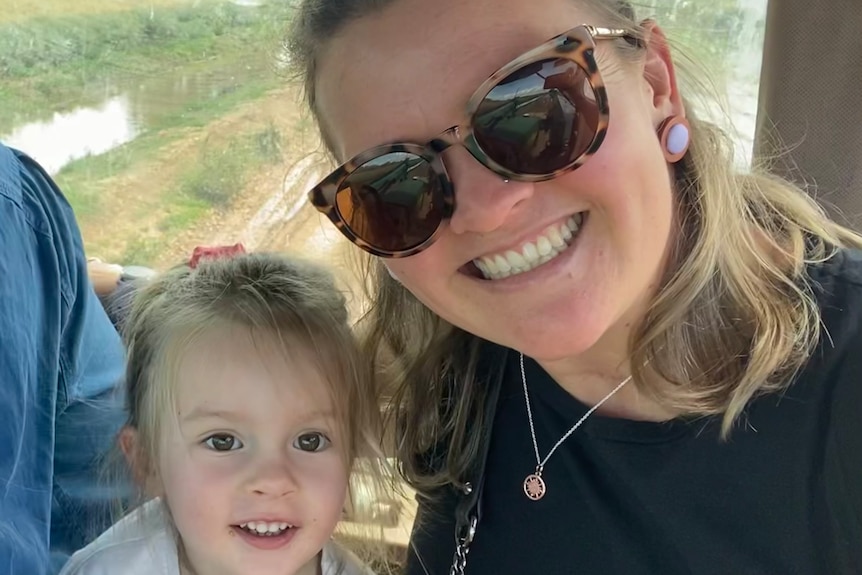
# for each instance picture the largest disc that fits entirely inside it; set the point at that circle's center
(577, 45)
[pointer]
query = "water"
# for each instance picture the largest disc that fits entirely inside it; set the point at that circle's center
(130, 107)
(69, 136)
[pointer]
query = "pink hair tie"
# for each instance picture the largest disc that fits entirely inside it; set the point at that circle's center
(214, 253)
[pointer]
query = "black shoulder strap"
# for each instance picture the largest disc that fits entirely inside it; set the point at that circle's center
(468, 510)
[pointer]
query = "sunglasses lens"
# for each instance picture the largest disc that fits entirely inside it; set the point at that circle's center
(539, 119)
(393, 202)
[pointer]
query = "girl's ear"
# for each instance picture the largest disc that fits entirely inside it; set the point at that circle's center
(143, 472)
(128, 440)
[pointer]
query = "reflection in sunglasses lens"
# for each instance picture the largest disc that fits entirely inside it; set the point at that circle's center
(539, 119)
(393, 202)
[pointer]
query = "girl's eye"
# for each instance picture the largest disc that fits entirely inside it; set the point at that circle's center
(223, 442)
(311, 442)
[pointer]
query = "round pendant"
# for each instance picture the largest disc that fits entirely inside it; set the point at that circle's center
(534, 486)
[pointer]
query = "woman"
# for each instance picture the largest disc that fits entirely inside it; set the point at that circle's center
(613, 354)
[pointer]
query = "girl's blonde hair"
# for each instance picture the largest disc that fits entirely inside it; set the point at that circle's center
(290, 301)
(294, 301)
(735, 317)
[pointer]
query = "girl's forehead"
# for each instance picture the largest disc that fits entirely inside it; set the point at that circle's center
(226, 366)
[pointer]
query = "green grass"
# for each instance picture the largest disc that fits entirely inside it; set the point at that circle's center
(142, 250)
(183, 213)
(211, 183)
(77, 178)
(52, 64)
(23, 10)
(220, 173)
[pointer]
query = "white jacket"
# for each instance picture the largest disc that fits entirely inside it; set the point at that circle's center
(142, 544)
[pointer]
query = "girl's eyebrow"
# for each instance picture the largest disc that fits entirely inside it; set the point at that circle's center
(320, 413)
(202, 412)
(317, 415)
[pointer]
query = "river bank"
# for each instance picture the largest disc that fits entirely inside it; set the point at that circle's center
(166, 125)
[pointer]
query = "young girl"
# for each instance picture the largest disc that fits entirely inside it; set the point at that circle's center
(248, 406)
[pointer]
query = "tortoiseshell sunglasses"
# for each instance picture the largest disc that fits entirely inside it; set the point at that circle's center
(538, 117)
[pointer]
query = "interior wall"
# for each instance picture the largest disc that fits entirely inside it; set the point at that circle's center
(810, 103)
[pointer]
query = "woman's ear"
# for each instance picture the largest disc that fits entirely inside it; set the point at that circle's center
(660, 74)
(137, 459)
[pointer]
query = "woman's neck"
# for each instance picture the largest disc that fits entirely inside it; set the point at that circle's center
(591, 375)
(591, 385)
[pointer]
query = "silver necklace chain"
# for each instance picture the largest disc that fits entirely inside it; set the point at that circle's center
(534, 485)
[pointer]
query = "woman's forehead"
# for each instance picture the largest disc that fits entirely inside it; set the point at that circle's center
(440, 32)
(421, 61)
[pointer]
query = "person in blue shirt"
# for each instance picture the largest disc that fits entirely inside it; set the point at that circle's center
(60, 364)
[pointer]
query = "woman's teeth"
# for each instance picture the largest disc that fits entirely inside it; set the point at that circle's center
(265, 528)
(551, 243)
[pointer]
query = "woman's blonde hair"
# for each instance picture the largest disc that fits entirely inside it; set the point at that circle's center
(735, 317)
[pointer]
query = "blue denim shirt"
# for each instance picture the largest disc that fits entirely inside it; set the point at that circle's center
(60, 364)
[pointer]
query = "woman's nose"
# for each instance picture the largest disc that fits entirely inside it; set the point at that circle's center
(483, 199)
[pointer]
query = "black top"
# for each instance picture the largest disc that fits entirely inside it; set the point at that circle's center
(783, 496)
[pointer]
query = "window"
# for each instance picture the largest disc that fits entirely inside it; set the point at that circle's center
(726, 37)
(169, 123)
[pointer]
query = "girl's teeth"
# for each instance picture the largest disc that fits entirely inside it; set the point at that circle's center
(265, 528)
(276, 527)
(553, 241)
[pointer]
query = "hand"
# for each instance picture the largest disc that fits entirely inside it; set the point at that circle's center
(104, 277)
